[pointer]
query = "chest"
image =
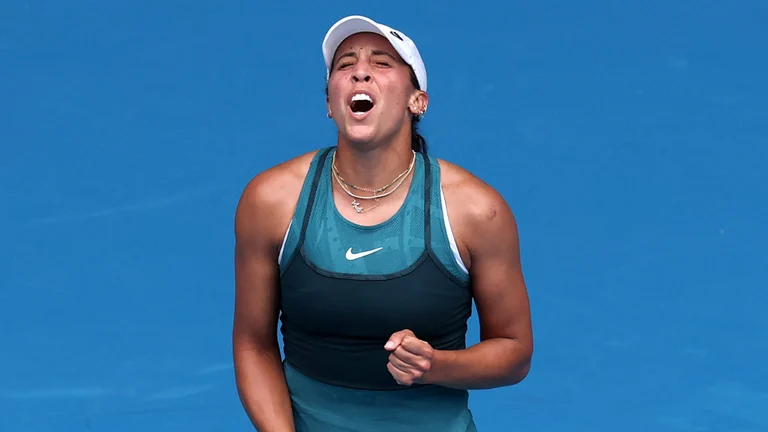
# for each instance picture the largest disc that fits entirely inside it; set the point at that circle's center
(419, 298)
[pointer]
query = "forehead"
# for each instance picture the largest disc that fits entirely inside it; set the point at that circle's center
(366, 42)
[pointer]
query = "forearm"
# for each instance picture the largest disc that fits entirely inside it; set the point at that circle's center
(262, 389)
(489, 364)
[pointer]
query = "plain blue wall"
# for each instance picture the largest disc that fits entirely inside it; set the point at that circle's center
(629, 138)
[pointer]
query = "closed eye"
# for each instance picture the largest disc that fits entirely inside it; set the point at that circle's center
(344, 60)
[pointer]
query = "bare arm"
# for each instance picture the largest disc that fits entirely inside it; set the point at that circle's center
(258, 368)
(503, 356)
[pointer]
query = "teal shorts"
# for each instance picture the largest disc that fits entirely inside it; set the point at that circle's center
(319, 407)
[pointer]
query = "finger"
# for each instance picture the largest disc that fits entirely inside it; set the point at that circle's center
(416, 364)
(396, 339)
(416, 346)
(401, 377)
(407, 357)
(402, 365)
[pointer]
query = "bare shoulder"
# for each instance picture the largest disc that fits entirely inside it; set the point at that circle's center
(269, 199)
(474, 200)
(479, 214)
(486, 228)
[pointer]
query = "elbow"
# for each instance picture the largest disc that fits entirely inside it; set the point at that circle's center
(519, 372)
(521, 366)
(249, 347)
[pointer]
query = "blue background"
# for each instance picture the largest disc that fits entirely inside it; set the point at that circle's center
(628, 137)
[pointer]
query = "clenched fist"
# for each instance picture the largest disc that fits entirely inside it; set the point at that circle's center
(410, 359)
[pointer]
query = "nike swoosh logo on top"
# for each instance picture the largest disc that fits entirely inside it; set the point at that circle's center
(353, 256)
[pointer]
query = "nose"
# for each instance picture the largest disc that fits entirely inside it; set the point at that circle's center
(361, 72)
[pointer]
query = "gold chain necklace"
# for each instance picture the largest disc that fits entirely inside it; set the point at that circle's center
(360, 188)
(377, 195)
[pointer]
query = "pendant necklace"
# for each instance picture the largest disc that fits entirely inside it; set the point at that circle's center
(377, 193)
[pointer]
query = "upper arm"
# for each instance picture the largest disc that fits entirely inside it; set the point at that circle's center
(262, 216)
(256, 308)
(491, 238)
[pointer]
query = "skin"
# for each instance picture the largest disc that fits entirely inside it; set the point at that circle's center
(377, 149)
(487, 237)
(372, 152)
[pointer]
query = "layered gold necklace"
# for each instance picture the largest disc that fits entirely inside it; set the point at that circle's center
(378, 193)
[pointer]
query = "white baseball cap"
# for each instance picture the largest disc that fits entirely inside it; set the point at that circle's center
(354, 24)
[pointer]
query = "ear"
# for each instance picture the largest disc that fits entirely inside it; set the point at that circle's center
(328, 106)
(418, 103)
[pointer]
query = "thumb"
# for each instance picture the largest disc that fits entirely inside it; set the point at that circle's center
(396, 339)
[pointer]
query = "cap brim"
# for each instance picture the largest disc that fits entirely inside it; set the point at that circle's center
(349, 26)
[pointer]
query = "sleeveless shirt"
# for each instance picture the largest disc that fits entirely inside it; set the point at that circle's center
(345, 288)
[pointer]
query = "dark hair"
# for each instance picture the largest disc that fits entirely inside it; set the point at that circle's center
(418, 142)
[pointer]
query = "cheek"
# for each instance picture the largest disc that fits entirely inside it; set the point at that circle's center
(334, 91)
(398, 99)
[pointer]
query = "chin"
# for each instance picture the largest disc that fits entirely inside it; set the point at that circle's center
(360, 135)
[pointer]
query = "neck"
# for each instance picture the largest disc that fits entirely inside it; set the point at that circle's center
(372, 167)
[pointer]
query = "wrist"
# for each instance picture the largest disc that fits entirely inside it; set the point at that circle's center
(441, 361)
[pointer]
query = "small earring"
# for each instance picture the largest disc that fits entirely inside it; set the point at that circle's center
(329, 114)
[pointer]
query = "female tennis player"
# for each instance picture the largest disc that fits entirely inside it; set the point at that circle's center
(371, 252)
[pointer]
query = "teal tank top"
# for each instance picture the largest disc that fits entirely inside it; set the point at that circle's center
(345, 288)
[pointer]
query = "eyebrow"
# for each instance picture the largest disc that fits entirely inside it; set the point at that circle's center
(354, 55)
(346, 54)
(384, 53)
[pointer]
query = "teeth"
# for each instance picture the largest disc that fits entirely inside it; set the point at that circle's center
(360, 97)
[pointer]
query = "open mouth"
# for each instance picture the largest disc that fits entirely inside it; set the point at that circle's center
(361, 103)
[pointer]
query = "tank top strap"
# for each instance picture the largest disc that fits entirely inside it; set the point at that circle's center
(294, 236)
(427, 202)
(317, 202)
(318, 175)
